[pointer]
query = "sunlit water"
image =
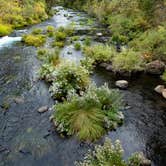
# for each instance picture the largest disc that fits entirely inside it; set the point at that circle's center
(27, 138)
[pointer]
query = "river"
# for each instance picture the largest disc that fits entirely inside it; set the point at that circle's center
(27, 138)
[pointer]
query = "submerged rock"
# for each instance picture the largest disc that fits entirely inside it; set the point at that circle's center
(156, 67)
(123, 84)
(43, 109)
(18, 100)
(159, 89)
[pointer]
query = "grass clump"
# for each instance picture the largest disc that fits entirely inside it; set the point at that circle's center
(37, 31)
(5, 30)
(87, 41)
(77, 46)
(34, 40)
(111, 154)
(59, 44)
(128, 60)
(100, 52)
(91, 115)
(68, 78)
(50, 30)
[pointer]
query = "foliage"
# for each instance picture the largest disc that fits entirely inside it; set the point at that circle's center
(128, 60)
(77, 46)
(110, 154)
(37, 31)
(50, 30)
(5, 30)
(87, 41)
(100, 52)
(87, 63)
(16, 14)
(90, 115)
(68, 78)
(164, 76)
(59, 44)
(152, 44)
(34, 40)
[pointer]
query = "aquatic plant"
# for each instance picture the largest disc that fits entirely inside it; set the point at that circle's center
(37, 31)
(69, 78)
(112, 155)
(50, 30)
(87, 41)
(89, 116)
(100, 52)
(34, 40)
(77, 46)
(128, 60)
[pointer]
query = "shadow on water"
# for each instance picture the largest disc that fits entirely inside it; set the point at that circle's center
(27, 137)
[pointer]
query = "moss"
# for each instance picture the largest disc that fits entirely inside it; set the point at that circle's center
(59, 44)
(5, 30)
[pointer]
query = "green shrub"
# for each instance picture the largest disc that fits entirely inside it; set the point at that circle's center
(87, 41)
(87, 63)
(37, 31)
(50, 30)
(110, 154)
(164, 76)
(100, 52)
(5, 30)
(89, 116)
(42, 53)
(152, 44)
(69, 78)
(77, 46)
(128, 60)
(59, 44)
(60, 36)
(34, 40)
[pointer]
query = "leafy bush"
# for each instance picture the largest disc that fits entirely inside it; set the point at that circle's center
(110, 154)
(5, 30)
(77, 46)
(60, 36)
(128, 60)
(87, 63)
(152, 44)
(164, 76)
(69, 78)
(90, 115)
(100, 52)
(87, 41)
(34, 40)
(37, 31)
(50, 30)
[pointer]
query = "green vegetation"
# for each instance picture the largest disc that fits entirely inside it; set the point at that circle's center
(91, 115)
(34, 40)
(50, 30)
(5, 30)
(87, 41)
(77, 46)
(16, 14)
(110, 155)
(100, 52)
(151, 44)
(68, 78)
(164, 76)
(128, 60)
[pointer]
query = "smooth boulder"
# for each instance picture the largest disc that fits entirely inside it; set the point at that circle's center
(43, 109)
(159, 89)
(164, 93)
(155, 67)
(122, 84)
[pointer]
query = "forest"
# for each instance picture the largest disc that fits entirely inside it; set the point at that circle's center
(83, 82)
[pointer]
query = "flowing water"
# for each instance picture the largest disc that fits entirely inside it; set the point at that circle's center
(27, 138)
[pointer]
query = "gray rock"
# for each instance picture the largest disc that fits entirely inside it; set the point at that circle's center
(104, 65)
(19, 100)
(159, 89)
(155, 67)
(109, 68)
(43, 109)
(164, 93)
(122, 84)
